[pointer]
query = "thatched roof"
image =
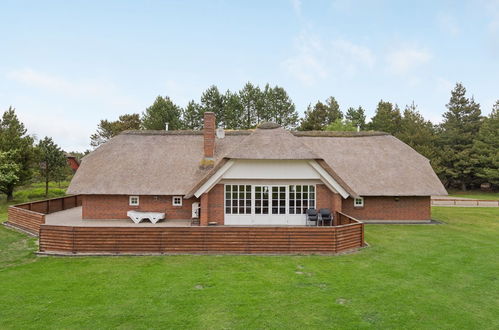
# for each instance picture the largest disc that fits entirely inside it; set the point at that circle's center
(168, 162)
(271, 143)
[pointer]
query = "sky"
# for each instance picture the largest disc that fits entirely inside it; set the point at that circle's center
(65, 65)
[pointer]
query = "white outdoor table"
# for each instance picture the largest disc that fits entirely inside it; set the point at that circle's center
(138, 216)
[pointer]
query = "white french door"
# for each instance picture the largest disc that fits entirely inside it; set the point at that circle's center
(270, 204)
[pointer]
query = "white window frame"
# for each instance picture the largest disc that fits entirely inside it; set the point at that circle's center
(361, 199)
(130, 201)
(176, 204)
(269, 207)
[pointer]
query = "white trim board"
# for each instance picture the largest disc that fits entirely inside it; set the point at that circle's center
(317, 173)
(329, 180)
(214, 179)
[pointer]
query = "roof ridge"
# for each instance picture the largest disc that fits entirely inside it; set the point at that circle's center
(338, 133)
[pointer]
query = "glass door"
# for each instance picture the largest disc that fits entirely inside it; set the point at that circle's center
(278, 199)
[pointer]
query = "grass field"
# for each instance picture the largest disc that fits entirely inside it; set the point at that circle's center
(475, 194)
(412, 276)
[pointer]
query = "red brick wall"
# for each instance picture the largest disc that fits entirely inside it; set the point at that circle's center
(327, 199)
(387, 208)
(116, 206)
(216, 204)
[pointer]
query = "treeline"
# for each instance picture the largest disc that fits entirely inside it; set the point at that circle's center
(463, 149)
(23, 158)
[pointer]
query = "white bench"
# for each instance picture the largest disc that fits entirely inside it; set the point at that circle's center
(138, 216)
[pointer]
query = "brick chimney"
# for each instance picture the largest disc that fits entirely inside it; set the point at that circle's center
(208, 138)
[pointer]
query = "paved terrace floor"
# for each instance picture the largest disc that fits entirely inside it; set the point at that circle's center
(72, 217)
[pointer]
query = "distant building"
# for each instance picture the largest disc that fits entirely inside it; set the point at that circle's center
(73, 162)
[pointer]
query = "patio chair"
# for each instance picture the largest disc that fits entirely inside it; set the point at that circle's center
(326, 216)
(312, 216)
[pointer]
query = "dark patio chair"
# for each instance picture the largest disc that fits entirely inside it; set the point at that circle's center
(326, 216)
(312, 216)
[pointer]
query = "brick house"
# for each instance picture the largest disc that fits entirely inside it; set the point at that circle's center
(266, 176)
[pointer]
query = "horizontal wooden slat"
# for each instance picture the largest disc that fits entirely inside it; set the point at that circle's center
(201, 239)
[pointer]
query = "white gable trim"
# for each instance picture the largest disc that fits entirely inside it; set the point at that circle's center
(214, 179)
(325, 177)
(328, 179)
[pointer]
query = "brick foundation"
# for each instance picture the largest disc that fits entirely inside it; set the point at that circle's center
(388, 208)
(116, 206)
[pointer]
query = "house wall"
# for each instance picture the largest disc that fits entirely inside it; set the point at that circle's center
(116, 206)
(215, 209)
(387, 208)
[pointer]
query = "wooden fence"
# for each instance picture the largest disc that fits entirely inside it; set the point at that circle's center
(30, 216)
(464, 202)
(218, 240)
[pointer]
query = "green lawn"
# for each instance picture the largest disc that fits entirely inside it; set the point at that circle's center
(412, 276)
(475, 194)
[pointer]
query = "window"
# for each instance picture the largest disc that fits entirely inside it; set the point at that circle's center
(301, 198)
(133, 200)
(237, 199)
(279, 200)
(177, 201)
(358, 202)
(261, 199)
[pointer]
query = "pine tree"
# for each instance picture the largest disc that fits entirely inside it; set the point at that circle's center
(486, 148)
(357, 117)
(19, 146)
(163, 111)
(321, 115)
(461, 124)
(278, 107)
(251, 99)
(108, 129)
(233, 110)
(386, 119)
(192, 116)
(213, 101)
(52, 161)
(420, 134)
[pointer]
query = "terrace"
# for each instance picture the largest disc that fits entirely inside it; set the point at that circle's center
(61, 230)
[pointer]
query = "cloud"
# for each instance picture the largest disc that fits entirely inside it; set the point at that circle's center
(94, 88)
(296, 4)
(404, 60)
(448, 24)
(316, 59)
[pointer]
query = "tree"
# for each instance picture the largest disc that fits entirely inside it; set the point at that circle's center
(9, 172)
(461, 124)
(233, 110)
(52, 161)
(19, 145)
(213, 101)
(486, 148)
(420, 134)
(341, 125)
(251, 99)
(386, 119)
(163, 111)
(108, 129)
(321, 115)
(357, 117)
(278, 107)
(192, 116)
